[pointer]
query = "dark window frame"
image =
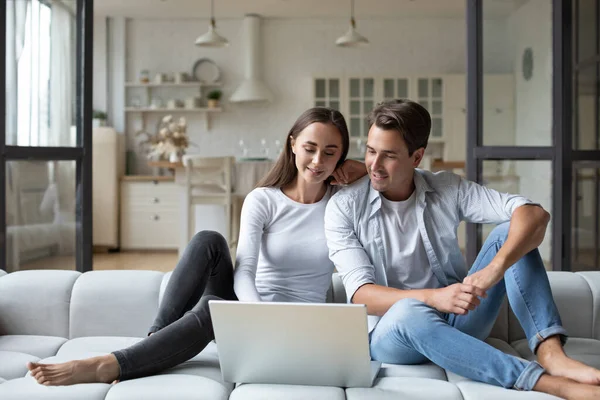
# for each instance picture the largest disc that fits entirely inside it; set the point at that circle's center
(81, 154)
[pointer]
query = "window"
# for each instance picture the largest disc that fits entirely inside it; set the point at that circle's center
(327, 92)
(429, 95)
(395, 88)
(362, 100)
(33, 66)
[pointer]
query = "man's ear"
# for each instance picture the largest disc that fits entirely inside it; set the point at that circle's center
(418, 156)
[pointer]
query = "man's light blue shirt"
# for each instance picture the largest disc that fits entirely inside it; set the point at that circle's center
(353, 223)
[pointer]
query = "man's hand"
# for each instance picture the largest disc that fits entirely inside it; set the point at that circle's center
(349, 172)
(458, 299)
(486, 277)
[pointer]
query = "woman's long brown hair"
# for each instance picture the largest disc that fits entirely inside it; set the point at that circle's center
(284, 171)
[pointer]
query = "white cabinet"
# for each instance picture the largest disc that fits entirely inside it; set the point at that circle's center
(149, 215)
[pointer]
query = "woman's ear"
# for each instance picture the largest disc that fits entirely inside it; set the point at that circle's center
(292, 144)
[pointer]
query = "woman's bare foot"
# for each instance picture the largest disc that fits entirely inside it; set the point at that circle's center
(553, 359)
(103, 369)
(566, 388)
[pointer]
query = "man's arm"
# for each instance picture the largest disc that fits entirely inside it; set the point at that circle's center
(526, 232)
(459, 298)
(358, 273)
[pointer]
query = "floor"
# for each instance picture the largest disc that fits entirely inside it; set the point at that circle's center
(157, 261)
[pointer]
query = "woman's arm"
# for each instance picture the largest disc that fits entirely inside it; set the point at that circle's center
(253, 220)
(349, 172)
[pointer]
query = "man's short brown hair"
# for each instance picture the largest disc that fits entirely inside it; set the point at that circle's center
(407, 117)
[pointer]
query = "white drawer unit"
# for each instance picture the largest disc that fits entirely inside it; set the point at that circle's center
(149, 215)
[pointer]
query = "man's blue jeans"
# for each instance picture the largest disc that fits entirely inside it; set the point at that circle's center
(412, 332)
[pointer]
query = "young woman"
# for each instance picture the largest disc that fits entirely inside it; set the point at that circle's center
(282, 256)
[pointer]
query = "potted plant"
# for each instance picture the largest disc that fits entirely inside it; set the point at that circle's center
(99, 118)
(213, 98)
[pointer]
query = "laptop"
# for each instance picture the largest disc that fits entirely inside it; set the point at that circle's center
(293, 343)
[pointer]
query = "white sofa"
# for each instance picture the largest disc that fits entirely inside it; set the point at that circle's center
(57, 316)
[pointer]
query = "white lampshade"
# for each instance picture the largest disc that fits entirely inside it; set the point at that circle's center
(351, 39)
(211, 39)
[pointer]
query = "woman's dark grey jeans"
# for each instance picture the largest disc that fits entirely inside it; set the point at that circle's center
(183, 326)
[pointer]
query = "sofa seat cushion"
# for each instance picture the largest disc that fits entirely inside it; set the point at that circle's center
(476, 391)
(14, 364)
(38, 346)
(94, 346)
(27, 388)
(160, 387)
(428, 370)
(205, 364)
(406, 388)
(581, 349)
(251, 391)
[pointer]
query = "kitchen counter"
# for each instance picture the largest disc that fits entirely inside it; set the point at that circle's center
(147, 178)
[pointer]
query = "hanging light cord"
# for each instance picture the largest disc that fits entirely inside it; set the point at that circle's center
(352, 21)
(212, 13)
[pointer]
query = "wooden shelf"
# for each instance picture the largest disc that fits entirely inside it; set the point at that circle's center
(165, 164)
(169, 110)
(173, 85)
(147, 178)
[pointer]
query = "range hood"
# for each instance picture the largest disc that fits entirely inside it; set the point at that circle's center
(252, 88)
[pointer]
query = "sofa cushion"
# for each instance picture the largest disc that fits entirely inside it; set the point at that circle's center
(476, 391)
(38, 346)
(428, 370)
(205, 364)
(94, 346)
(114, 303)
(14, 365)
(252, 391)
(581, 349)
(27, 389)
(36, 302)
(163, 285)
(160, 387)
(573, 298)
(593, 280)
(405, 388)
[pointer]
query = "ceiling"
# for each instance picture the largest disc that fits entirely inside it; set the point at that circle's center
(168, 9)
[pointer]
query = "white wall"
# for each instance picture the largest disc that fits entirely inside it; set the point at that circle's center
(531, 26)
(294, 50)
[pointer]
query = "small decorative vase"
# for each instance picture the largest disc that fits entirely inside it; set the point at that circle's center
(212, 103)
(174, 157)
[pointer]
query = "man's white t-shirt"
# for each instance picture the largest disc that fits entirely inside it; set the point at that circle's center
(407, 266)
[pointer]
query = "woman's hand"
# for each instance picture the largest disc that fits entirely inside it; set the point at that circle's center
(349, 172)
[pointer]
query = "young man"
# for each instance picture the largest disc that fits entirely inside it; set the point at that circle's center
(392, 237)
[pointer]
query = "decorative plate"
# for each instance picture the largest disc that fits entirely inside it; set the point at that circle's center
(205, 70)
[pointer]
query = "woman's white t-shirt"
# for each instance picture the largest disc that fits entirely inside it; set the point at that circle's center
(282, 252)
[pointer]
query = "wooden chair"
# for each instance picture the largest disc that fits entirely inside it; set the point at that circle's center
(208, 180)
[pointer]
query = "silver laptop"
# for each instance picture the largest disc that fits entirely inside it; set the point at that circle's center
(293, 343)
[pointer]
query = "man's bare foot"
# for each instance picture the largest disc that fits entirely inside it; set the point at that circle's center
(103, 369)
(553, 359)
(566, 388)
